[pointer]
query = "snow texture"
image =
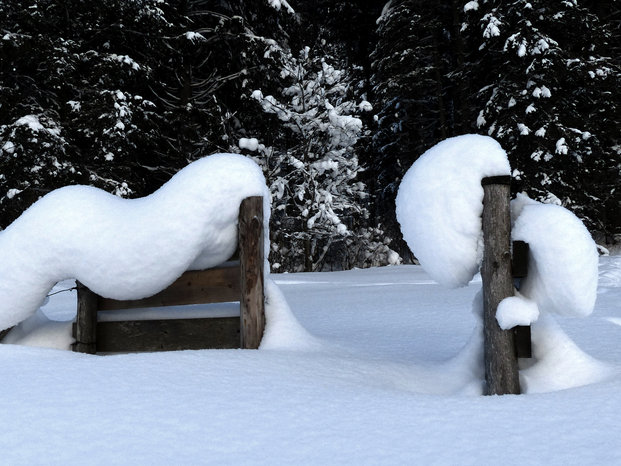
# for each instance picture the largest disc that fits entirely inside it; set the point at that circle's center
(251, 144)
(562, 273)
(472, 5)
(126, 249)
(516, 310)
(440, 201)
(278, 4)
(397, 380)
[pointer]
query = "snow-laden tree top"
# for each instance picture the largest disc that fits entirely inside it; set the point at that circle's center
(126, 249)
(440, 201)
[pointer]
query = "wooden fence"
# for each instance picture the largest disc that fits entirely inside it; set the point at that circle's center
(238, 281)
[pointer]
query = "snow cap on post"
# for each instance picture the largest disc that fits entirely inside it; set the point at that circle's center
(563, 266)
(440, 201)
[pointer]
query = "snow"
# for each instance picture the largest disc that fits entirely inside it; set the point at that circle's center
(523, 129)
(125, 249)
(32, 121)
(11, 193)
(561, 146)
(388, 378)
(251, 144)
(365, 106)
(516, 310)
(195, 36)
(542, 92)
(492, 29)
(472, 5)
(562, 273)
(278, 4)
(440, 201)
(358, 367)
(125, 59)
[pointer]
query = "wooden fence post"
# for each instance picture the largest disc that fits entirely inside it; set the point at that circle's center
(86, 321)
(251, 264)
(501, 368)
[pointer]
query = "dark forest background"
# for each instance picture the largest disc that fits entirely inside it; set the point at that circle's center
(334, 99)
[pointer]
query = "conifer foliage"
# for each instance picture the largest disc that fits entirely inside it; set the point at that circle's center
(334, 99)
(550, 100)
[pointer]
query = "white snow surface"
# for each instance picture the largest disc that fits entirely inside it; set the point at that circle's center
(378, 371)
(126, 249)
(440, 201)
(562, 272)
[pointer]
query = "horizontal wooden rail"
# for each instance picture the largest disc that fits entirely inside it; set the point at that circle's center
(167, 334)
(217, 285)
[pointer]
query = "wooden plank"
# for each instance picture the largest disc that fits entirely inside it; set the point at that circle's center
(251, 264)
(519, 269)
(168, 335)
(86, 321)
(501, 369)
(523, 343)
(217, 285)
(519, 264)
(5, 332)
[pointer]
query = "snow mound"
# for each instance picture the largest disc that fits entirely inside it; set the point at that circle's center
(440, 201)
(559, 363)
(126, 249)
(563, 267)
(516, 310)
(283, 331)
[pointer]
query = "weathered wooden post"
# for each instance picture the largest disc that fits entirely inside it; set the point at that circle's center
(501, 368)
(251, 257)
(86, 321)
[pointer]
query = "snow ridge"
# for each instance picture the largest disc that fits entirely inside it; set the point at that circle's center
(126, 248)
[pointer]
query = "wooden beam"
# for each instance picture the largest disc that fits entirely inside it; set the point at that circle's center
(251, 258)
(217, 285)
(519, 263)
(501, 369)
(168, 335)
(519, 270)
(5, 332)
(86, 321)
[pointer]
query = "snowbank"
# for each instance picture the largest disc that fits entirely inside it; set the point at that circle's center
(440, 201)
(126, 249)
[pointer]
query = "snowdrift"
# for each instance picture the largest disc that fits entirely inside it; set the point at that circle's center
(440, 201)
(126, 249)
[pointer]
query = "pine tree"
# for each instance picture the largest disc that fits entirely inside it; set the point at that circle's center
(548, 99)
(319, 209)
(71, 98)
(415, 98)
(121, 94)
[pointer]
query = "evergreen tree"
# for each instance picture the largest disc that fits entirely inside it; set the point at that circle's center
(548, 99)
(71, 98)
(319, 211)
(121, 94)
(418, 103)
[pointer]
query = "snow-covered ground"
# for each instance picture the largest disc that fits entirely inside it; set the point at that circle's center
(383, 378)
